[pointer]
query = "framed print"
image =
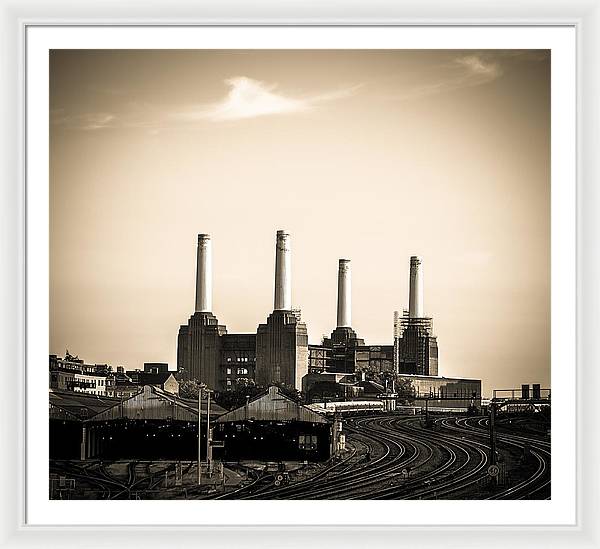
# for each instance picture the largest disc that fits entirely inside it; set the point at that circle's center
(317, 276)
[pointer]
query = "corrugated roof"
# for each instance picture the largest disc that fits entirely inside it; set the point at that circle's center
(81, 406)
(155, 403)
(273, 406)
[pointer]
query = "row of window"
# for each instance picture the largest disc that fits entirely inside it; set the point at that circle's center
(239, 371)
(307, 442)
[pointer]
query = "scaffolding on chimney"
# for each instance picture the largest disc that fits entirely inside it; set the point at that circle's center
(411, 337)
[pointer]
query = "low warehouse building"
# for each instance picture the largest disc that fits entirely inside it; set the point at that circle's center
(152, 424)
(273, 427)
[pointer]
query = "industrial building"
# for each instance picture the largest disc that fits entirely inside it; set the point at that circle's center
(273, 426)
(415, 345)
(338, 366)
(445, 392)
(279, 351)
(152, 424)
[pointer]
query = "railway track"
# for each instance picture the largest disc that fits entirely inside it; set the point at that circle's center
(406, 461)
(448, 464)
(110, 485)
(537, 484)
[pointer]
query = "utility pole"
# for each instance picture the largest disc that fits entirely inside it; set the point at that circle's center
(199, 434)
(492, 433)
(208, 437)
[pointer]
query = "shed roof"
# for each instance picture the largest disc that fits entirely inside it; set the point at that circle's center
(273, 405)
(155, 403)
(77, 406)
(149, 403)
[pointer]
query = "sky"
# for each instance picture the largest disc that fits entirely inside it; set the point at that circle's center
(371, 155)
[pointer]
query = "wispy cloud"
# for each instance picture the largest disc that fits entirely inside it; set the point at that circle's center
(461, 72)
(248, 98)
(87, 122)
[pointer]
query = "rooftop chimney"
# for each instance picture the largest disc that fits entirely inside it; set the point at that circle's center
(204, 275)
(344, 301)
(415, 298)
(283, 273)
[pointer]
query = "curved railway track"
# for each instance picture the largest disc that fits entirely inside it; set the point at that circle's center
(447, 463)
(406, 461)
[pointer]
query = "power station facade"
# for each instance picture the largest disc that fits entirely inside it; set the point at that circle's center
(279, 351)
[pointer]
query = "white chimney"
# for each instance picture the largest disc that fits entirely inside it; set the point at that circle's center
(415, 299)
(344, 301)
(283, 273)
(204, 275)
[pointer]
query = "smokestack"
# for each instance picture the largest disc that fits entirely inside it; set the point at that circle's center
(204, 275)
(283, 273)
(415, 298)
(344, 302)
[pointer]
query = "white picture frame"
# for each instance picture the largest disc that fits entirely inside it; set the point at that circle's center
(583, 17)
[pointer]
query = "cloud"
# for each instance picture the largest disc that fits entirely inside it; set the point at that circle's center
(461, 72)
(478, 70)
(248, 98)
(88, 122)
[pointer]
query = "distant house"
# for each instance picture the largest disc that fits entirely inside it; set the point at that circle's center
(72, 374)
(164, 380)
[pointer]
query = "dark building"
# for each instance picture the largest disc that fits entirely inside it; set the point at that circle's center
(343, 345)
(199, 348)
(274, 427)
(444, 392)
(282, 343)
(416, 350)
(282, 349)
(85, 426)
(375, 358)
(156, 367)
(416, 347)
(238, 360)
(278, 352)
(199, 341)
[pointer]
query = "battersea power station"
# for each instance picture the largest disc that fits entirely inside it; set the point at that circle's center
(279, 351)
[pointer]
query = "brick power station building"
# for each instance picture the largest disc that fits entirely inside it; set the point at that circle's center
(279, 351)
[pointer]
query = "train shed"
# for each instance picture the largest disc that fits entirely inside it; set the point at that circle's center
(274, 427)
(152, 424)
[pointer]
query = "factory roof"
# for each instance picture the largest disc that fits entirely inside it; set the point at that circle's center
(77, 406)
(149, 403)
(273, 405)
(372, 387)
(156, 404)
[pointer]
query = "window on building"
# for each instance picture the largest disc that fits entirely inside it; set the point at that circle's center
(307, 442)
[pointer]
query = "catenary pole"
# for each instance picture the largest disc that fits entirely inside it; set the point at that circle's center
(208, 456)
(199, 434)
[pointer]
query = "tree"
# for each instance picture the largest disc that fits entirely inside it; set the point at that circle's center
(189, 389)
(403, 386)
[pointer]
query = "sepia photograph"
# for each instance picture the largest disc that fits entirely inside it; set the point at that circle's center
(299, 274)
